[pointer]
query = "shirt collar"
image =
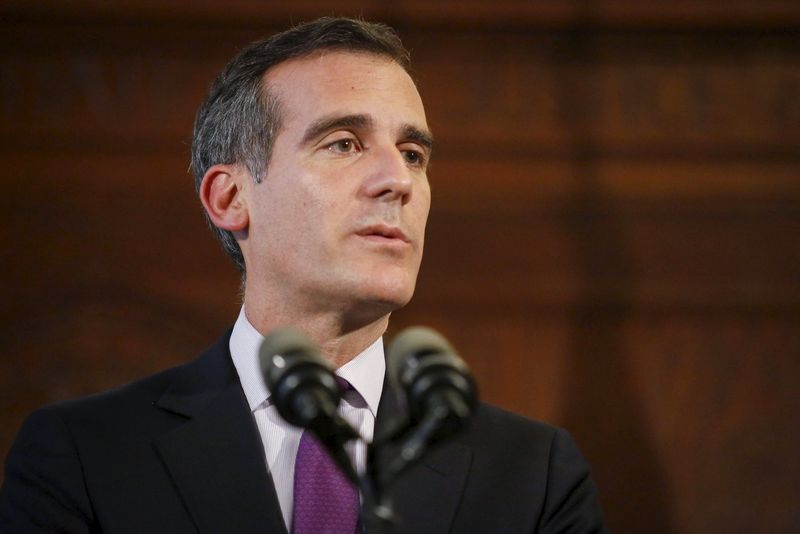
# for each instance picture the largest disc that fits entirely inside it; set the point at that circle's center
(365, 372)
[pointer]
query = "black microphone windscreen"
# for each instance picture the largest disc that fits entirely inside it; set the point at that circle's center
(278, 349)
(424, 366)
(417, 348)
(301, 384)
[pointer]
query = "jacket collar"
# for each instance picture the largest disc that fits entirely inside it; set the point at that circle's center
(215, 458)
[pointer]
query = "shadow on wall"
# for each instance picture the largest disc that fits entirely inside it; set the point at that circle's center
(600, 404)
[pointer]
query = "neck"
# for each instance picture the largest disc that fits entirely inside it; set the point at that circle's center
(339, 336)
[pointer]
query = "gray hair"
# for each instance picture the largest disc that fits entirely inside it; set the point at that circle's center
(240, 118)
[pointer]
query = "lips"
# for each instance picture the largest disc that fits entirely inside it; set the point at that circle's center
(383, 232)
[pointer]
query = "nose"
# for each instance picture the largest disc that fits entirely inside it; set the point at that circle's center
(388, 179)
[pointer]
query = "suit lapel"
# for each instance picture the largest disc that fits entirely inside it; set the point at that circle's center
(216, 459)
(425, 499)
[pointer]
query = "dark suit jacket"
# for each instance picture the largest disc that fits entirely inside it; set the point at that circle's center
(179, 452)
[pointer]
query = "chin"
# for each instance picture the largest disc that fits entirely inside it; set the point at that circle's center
(370, 307)
(392, 300)
(379, 289)
(389, 294)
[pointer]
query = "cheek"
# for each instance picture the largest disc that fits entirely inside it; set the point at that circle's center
(423, 207)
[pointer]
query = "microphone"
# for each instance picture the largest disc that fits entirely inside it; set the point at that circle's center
(303, 387)
(440, 392)
(305, 393)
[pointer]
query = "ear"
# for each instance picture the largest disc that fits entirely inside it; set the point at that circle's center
(221, 194)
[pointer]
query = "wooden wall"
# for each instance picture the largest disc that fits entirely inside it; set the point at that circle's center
(614, 244)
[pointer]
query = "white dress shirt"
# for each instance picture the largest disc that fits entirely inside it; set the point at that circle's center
(280, 439)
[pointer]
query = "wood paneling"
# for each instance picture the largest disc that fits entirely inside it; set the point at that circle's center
(613, 244)
(474, 13)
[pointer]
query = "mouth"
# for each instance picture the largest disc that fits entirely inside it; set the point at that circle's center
(384, 233)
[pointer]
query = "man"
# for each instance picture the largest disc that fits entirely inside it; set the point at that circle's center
(310, 156)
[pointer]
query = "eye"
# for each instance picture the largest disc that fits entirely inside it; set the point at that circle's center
(343, 146)
(414, 157)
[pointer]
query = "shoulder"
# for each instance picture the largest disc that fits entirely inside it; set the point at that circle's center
(498, 429)
(537, 467)
(119, 400)
(131, 406)
(498, 419)
(510, 449)
(62, 447)
(525, 445)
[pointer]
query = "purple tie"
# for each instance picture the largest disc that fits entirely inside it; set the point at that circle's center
(325, 501)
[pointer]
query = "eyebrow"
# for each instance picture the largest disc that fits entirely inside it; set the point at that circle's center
(325, 124)
(412, 133)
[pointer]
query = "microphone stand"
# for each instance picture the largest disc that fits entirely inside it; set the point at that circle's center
(414, 441)
(439, 396)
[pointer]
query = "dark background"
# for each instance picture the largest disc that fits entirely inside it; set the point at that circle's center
(614, 243)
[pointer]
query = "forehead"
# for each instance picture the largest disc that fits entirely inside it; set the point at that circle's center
(333, 82)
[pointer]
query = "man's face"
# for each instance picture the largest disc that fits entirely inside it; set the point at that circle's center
(338, 222)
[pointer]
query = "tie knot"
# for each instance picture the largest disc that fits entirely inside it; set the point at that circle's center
(350, 395)
(344, 385)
